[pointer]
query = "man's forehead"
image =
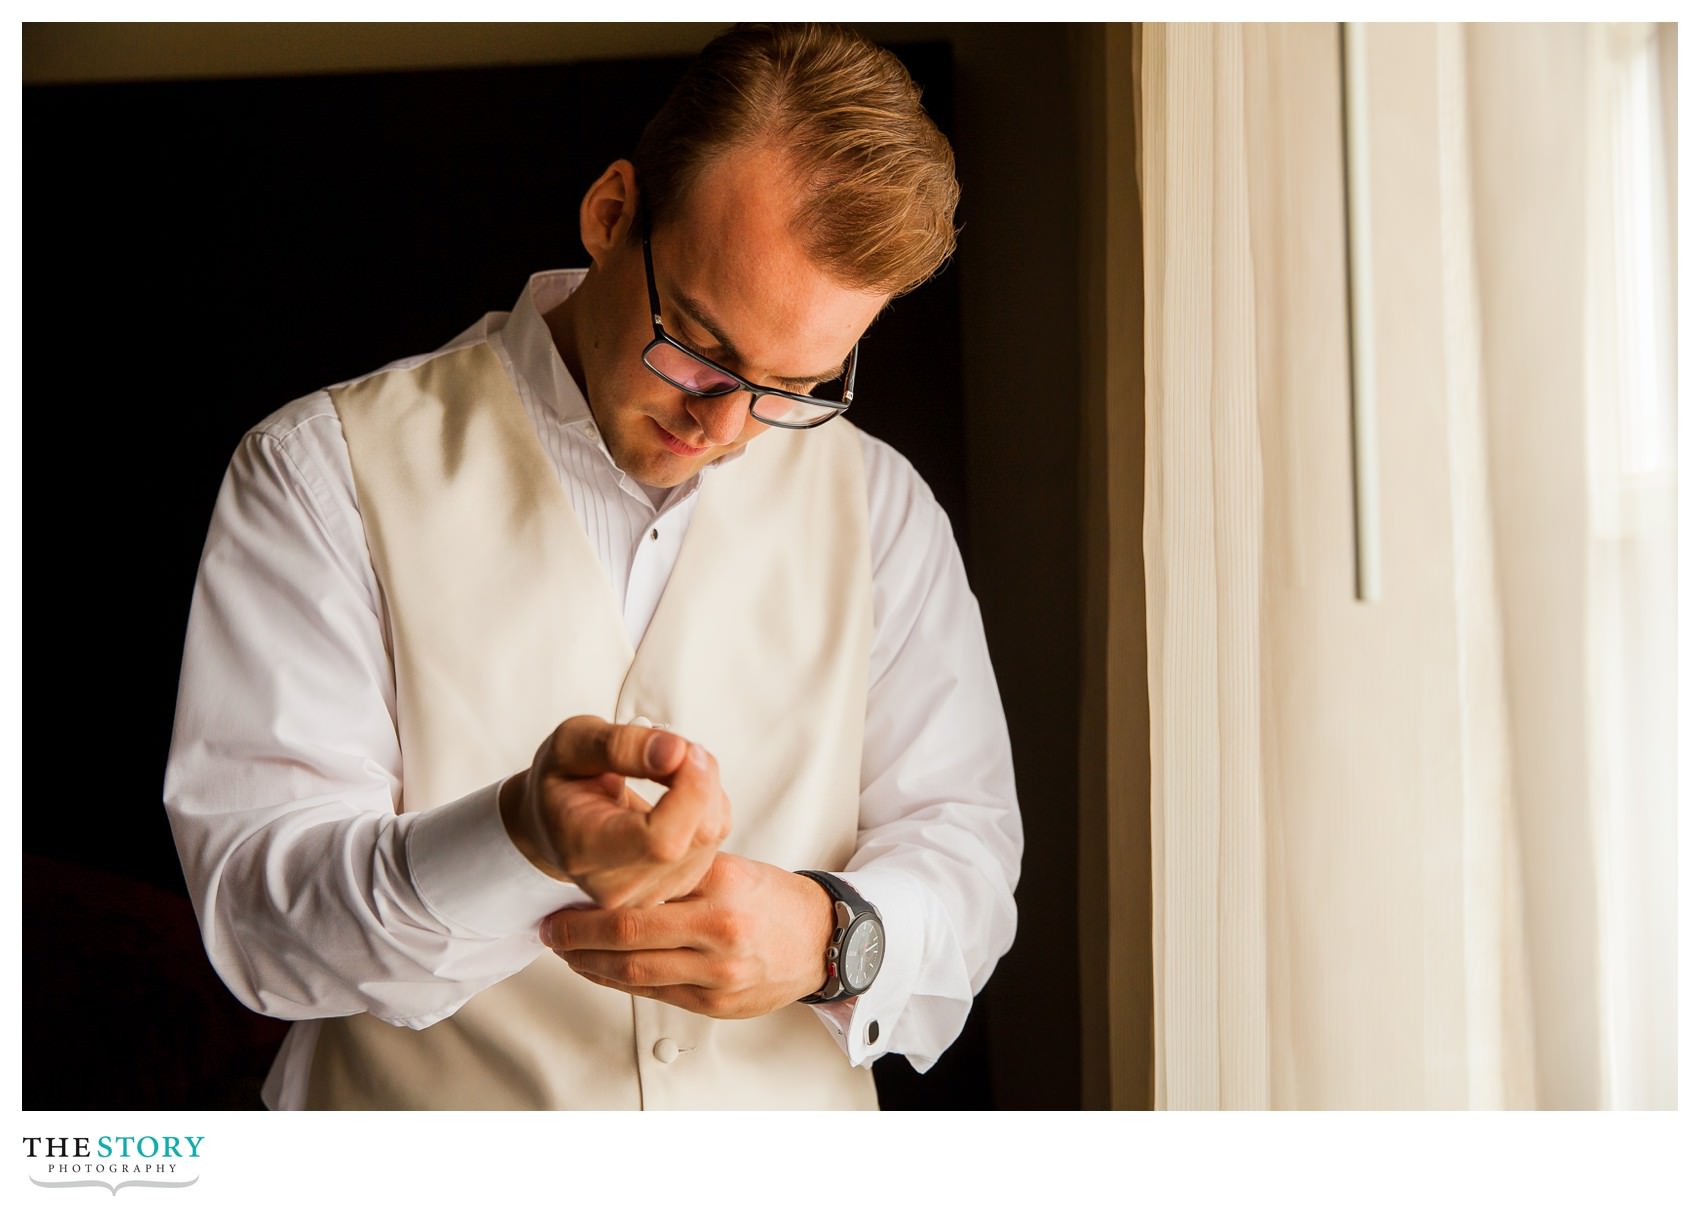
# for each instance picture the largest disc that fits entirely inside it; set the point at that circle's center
(750, 190)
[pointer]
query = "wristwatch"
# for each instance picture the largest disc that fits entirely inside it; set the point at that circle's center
(857, 946)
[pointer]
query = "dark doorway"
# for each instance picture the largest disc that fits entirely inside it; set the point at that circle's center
(198, 254)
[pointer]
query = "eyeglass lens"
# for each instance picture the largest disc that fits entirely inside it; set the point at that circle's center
(688, 372)
(691, 373)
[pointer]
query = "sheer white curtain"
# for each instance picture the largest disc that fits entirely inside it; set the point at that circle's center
(1416, 851)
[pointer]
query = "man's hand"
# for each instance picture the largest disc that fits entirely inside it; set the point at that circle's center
(574, 817)
(751, 938)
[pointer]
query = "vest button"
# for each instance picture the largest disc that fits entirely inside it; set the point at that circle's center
(642, 721)
(666, 1051)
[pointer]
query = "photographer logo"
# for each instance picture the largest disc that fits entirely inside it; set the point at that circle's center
(113, 1162)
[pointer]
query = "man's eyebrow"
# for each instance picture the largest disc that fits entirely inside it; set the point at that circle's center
(698, 315)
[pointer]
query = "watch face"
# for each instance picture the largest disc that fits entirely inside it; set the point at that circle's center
(863, 951)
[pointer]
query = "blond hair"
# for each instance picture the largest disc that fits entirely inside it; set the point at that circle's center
(879, 180)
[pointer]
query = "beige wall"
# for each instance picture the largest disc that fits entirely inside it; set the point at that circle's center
(61, 53)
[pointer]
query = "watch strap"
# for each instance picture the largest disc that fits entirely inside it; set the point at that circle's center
(838, 890)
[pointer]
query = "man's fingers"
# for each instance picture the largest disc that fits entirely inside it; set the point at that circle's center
(643, 969)
(586, 746)
(694, 811)
(600, 834)
(693, 815)
(678, 924)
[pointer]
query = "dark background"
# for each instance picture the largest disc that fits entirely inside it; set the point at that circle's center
(201, 252)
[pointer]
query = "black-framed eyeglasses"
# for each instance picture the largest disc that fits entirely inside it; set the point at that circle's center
(695, 375)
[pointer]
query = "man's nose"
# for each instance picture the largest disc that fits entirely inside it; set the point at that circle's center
(721, 418)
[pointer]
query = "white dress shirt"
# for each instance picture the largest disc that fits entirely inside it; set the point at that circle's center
(317, 899)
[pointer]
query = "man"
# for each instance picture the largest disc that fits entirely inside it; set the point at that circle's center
(770, 831)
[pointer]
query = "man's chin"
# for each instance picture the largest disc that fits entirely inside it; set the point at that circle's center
(657, 468)
(661, 480)
(661, 460)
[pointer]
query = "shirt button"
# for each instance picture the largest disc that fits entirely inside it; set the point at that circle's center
(642, 721)
(655, 534)
(666, 1051)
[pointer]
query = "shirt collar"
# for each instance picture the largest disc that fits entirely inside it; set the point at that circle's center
(531, 346)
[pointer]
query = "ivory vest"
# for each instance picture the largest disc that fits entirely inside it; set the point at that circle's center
(503, 624)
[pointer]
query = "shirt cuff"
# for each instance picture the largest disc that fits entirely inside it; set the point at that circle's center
(470, 874)
(862, 1025)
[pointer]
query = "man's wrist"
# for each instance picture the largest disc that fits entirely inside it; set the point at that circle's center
(469, 873)
(518, 821)
(821, 918)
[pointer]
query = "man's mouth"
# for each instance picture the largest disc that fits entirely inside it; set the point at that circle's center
(673, 444)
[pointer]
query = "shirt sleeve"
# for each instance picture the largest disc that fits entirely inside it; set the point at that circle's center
(939, 843)
(315, 897)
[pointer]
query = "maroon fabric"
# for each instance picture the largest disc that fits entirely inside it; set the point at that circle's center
(121, 1008)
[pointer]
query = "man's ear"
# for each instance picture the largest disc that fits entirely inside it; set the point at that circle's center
(608, 211)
